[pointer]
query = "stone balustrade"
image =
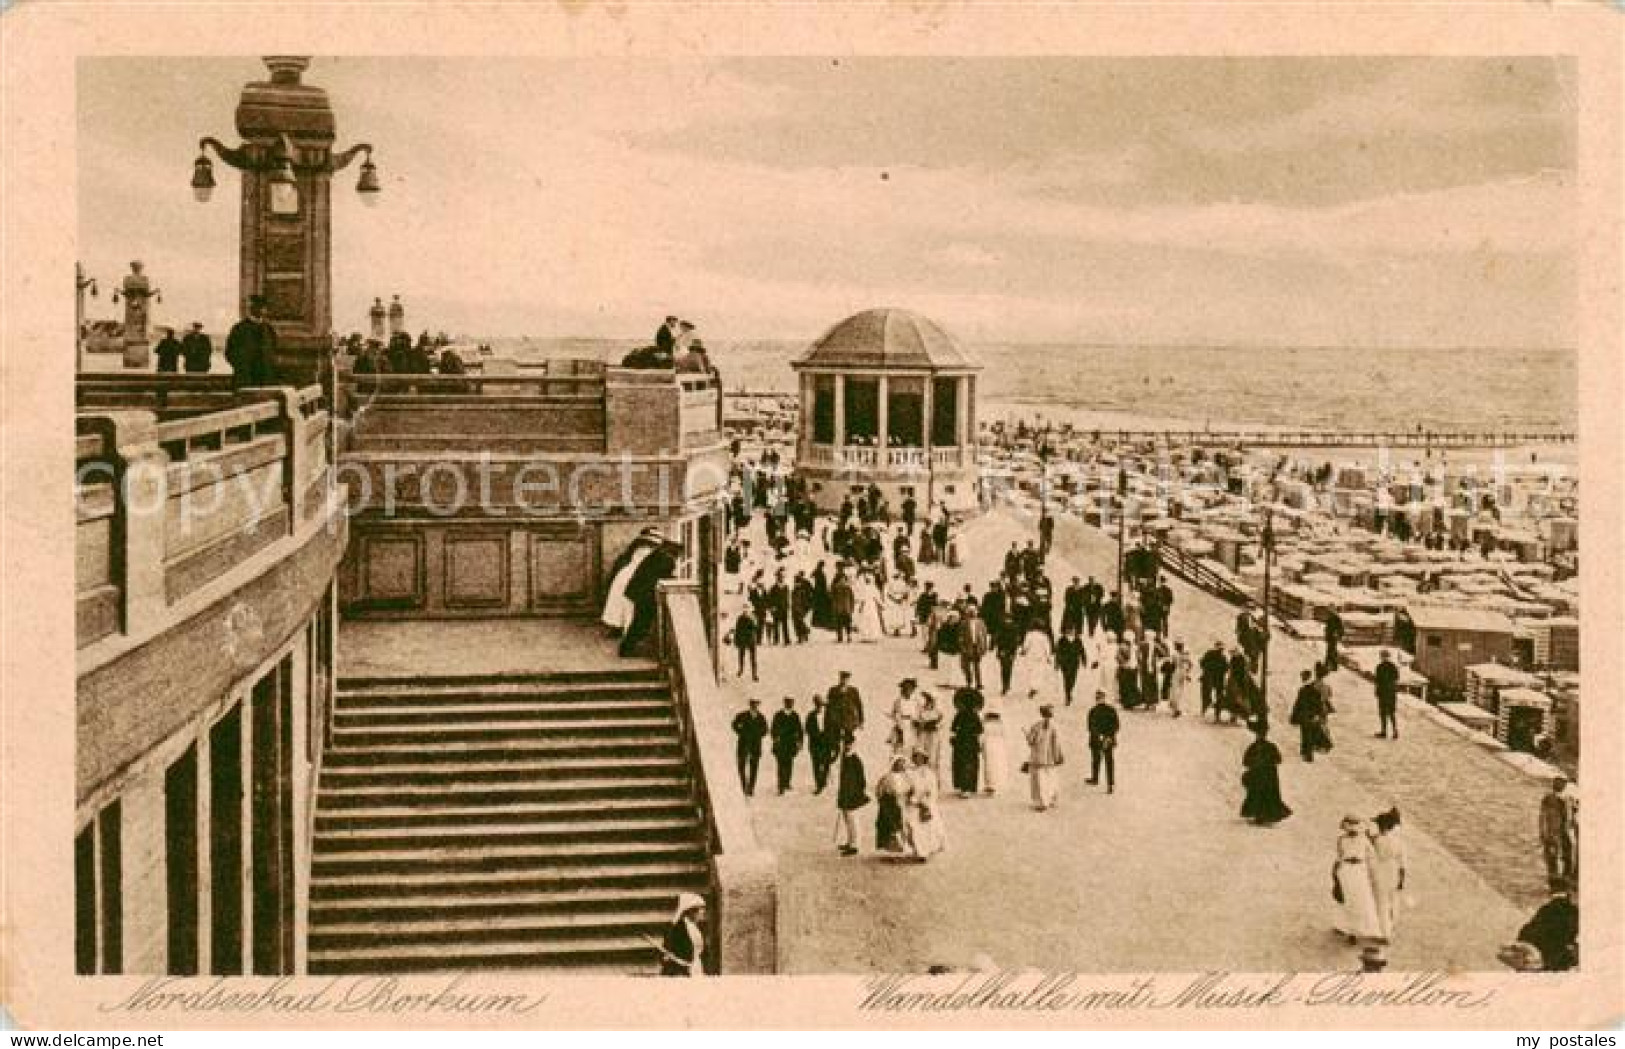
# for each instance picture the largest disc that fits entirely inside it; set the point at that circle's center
(164, 508)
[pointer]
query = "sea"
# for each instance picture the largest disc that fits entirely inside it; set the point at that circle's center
(1330, 388)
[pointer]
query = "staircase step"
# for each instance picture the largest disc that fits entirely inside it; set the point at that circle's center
(475, 713)
(492, 857)
(473, 770)
(334, 913)
(436, 752)
(457, 813)
(618, 953)
(473, 834)
(347, 735)
(342, 796)
(537, 929)
(502, 821)
(636, 676)
(683, 874)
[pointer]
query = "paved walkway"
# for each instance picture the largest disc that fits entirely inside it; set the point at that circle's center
(1161, 875)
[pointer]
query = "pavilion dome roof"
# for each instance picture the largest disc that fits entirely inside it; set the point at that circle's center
(887, 338)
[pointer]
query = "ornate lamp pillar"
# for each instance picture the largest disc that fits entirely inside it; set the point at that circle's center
(137, 291)
(288, 163)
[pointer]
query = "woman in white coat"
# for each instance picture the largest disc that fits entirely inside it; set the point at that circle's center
(1352, 886)
(617, 611)
(922, 813)
(1388, 870)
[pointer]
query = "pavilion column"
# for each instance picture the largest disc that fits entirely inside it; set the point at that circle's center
(962, 413)
(809, 388)
(840, 412)
(927, 416)
(880, 435)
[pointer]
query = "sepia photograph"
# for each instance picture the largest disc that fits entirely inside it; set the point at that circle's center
(968, 524)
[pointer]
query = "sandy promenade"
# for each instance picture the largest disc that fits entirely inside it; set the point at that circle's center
(1161, 875)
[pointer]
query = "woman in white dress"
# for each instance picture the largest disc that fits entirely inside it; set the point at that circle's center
(904, 710)
(995, 750)
(928, 732)
(1388, 870)
(617, 607)
(866, 614)
(1351, 880)
(922, 812)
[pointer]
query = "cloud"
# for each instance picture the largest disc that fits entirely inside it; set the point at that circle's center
(585, 197)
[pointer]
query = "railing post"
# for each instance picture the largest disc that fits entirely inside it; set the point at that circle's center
(294, 452)
(141, 496)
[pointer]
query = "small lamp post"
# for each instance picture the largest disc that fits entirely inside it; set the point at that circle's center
(137, 293)
(1122, 523)
(81, 284)
(1267, 542)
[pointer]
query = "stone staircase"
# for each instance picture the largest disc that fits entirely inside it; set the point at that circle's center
(502, 821)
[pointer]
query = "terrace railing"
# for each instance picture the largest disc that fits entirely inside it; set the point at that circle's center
(166, 507)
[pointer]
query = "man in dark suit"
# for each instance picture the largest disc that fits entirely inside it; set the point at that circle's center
(1309, 714)
(1072, 607)
(778, 609)
(642, 590)
(1214, 668)
(821, 747)
(197, 351)
(1068, 658)
(845, 717)
(750, 728)
(1387, 677)
(1103, 727)
(1093, 595)
(993, 607)
(666, 336)
(251, 347)
(168, 351)
(787, 737)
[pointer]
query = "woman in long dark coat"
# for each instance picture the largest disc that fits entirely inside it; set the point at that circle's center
(1261, 776)
(823, 614)
(851, 794)
(966, 735)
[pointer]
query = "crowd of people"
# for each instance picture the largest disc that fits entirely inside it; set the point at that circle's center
(855, 575)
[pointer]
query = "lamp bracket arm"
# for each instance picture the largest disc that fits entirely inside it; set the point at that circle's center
(237, 158)
(342, 160)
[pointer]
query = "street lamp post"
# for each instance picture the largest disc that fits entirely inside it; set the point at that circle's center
(1122, 524)
(287, 164)
(81, 284)
(1267, 540)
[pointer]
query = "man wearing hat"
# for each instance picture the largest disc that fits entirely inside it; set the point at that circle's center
(750, 728)
(845, 717)
(1044, 757)
(787, 735)
(1103, 728)
(168, 351)
(251, 347)
(197, 351)
(1558, 819)
(1387, 679)
(666, 336)
(694, 361)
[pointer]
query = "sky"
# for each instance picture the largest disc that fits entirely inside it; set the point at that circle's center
(1353, 202)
